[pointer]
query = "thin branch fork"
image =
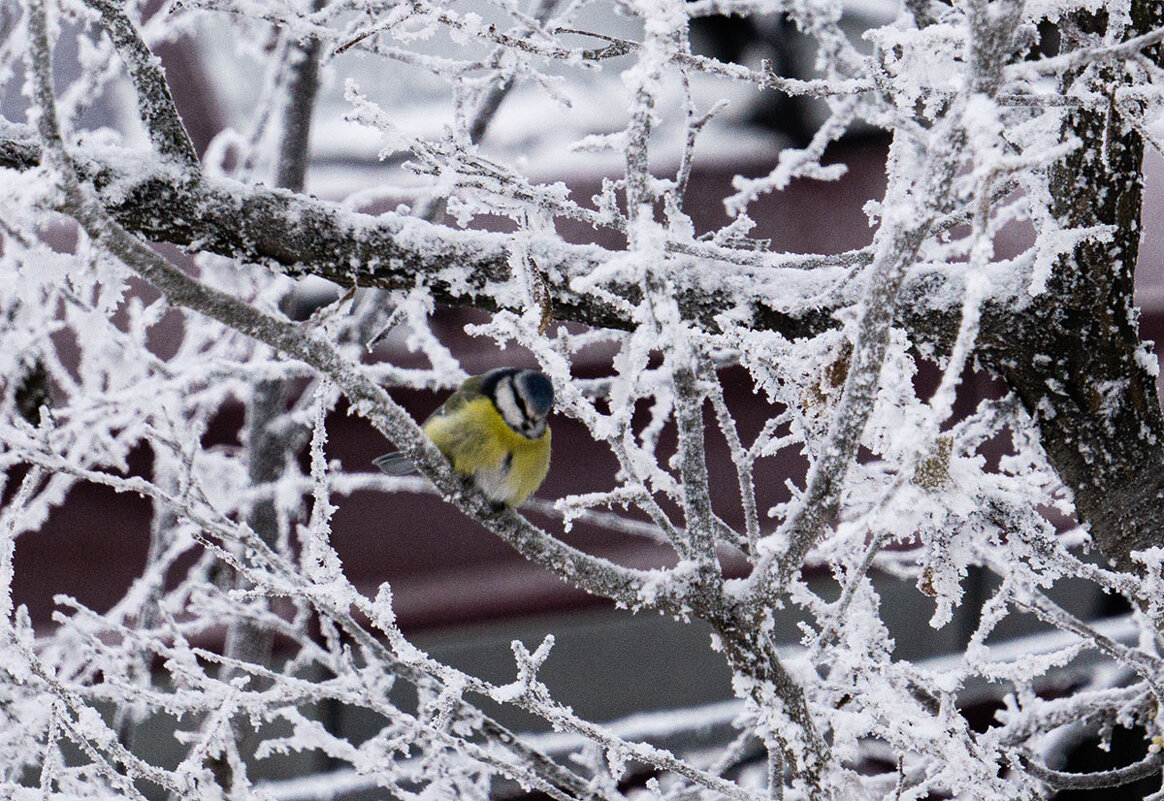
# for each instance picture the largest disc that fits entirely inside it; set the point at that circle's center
(1067, 62)
(1149, 667)
(155, 103)
(488, 107)
(765, 77)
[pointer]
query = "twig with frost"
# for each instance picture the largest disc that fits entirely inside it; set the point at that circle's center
(160, 556)
(693, 126)
(9, 516)
(764, 78)
(796, 162)
(1117, 777)
(1087, 709)
(1149, 667)
(697, 512)
(853, 581)
(155, 103)
(640, 195)
(1075, 59)
(534, 696)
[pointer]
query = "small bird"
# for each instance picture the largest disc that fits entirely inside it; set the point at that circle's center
(493, 429)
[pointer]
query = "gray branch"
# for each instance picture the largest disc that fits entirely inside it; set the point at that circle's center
(299, 235)
(697, 509)
(155, 103)
(1060, 780)
(302, 85)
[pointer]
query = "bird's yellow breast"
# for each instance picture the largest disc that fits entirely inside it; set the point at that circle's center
(506, 465)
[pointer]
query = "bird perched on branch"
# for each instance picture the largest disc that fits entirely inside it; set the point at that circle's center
(493, 429)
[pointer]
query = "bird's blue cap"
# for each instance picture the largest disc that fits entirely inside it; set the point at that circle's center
(538, 391)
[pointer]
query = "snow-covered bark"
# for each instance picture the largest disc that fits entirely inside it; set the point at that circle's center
(987, 134)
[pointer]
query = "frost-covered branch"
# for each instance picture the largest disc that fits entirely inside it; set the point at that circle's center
(696, 496)
(1060, 780)
(303, 236)
(155, 103)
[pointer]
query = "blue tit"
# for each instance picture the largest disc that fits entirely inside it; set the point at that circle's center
(492, 429)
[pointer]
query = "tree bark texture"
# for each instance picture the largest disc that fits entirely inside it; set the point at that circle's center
(1072, 356)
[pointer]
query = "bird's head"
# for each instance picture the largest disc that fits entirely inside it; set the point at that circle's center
(523, 398)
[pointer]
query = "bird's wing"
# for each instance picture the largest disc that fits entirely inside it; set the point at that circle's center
(470, 390)
(394, 464)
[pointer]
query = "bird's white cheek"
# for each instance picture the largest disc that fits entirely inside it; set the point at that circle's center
(507, 405)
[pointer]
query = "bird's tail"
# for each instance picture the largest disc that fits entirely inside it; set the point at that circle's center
(394, 464)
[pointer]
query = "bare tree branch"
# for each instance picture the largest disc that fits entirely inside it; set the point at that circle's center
(156, 104)
(300, 236)
(1118, 777)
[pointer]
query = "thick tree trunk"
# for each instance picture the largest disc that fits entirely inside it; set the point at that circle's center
(1074, 357)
